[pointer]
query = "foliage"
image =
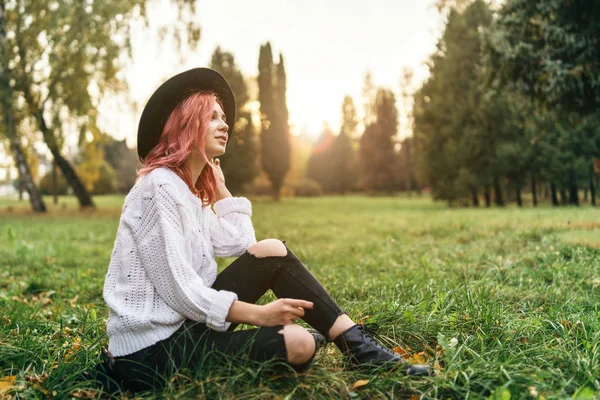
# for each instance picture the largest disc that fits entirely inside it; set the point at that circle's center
(239, 162)
(61, 57)
(307, 188)
(47, 185)
(550, 48)
(376, 151)
(274, 139)
(124, 161)
(332, 161)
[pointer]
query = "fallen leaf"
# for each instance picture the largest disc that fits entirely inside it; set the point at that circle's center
(417, 358)
(73, 301)
(360, 383)
(567, 324)
(363, 319)
(8, 382)
(415, 397)
(403, 353)
(84, 394)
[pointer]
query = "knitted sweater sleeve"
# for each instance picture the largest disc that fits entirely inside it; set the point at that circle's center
(160, 241)
(231, 229)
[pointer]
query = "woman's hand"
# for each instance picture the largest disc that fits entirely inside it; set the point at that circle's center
(283, 312)
(222, 190)
(216, 164)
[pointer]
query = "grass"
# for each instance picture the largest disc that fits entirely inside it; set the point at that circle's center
(504, 302)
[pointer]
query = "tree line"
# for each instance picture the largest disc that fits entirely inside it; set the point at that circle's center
(510, 106)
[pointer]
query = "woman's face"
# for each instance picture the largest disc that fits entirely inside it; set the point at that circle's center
(216, 134)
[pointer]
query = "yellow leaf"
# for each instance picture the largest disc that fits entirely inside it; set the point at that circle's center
(8, 382)
(360, 383)
(417, 358)
(73, 301)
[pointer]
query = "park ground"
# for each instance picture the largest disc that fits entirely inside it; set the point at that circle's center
(504, 303)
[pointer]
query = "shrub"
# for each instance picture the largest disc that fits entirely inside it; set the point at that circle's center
(46, 187)
(307, 188)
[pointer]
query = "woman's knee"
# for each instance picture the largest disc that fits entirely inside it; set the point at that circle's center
(299, 344)
(268, 248)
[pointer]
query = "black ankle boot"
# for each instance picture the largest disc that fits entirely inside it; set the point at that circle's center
(360, 348)
(320, 340)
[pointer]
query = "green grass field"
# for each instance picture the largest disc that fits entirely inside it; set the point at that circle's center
(503, 302)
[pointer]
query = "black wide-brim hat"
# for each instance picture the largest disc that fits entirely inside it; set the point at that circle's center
(172, 92)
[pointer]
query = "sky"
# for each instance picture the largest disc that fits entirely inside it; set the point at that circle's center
(327, 45)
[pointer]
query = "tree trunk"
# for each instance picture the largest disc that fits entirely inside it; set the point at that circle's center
(498, 193)
(276, 191)
(518, 194)
(585, 194)
(54, 183)
(25, 179)
(487, 196)
(85, 200)
(553, 194)
(592, 186)
(10, 129)
(534, 190)
(574, 195)
(563, 196)
(474, 197)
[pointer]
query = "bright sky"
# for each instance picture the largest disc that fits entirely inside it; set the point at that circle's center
(327, 46)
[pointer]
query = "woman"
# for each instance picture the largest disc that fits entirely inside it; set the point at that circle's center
(167, 306)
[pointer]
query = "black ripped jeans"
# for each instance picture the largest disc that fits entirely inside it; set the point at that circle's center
(194, 343)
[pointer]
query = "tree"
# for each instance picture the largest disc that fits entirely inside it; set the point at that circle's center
(320, 163)
(9, 128)
(551, 47)
(406, 156)
(343, 168)
(369, 94)
(376, 151)
(64, 56)
(239, 162)
(549, 50)
(455, 146)
(124, 161)
(275, 142)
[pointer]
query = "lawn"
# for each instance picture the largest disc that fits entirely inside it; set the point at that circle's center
(503, 302)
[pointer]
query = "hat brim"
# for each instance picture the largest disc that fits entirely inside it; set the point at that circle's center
(172, 92)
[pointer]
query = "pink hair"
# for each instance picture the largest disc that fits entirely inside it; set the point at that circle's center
(177, 141)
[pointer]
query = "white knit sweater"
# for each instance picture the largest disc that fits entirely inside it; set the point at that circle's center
(163, 263)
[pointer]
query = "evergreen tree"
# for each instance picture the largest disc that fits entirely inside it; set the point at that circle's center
(376, 151)
(275, 141)
(455, 152)
(239, 162)
(343, 168)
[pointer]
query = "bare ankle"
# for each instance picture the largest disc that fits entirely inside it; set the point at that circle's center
(342, 323)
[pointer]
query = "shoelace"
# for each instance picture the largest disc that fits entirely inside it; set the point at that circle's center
(369, 336)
